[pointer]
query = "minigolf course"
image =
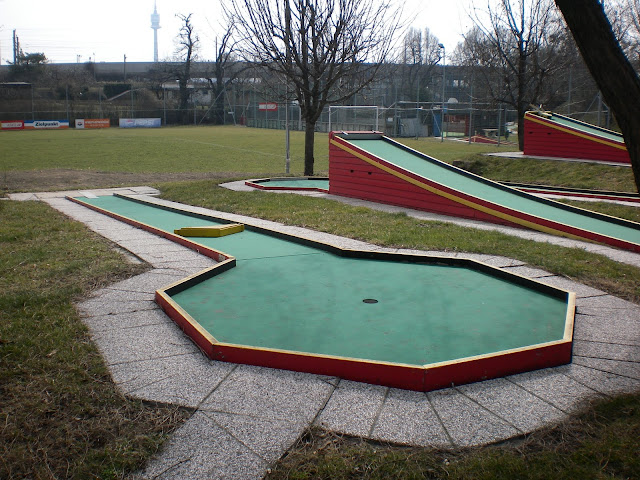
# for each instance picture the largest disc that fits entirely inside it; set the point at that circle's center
(549, 134)
(407, 321)
(370, 166)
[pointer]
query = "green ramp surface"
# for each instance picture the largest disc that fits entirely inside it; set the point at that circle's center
(509, 198)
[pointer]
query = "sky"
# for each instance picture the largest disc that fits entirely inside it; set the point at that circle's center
(78, 31)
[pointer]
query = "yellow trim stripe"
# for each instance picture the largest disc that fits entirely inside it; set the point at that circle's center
(475, 206)
(555, 126)
(571, 310)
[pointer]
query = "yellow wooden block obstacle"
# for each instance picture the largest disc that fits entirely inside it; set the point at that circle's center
(211, 231)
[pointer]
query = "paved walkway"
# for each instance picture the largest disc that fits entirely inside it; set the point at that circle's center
(247, 417)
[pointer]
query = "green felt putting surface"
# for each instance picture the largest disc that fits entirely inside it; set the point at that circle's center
(424, 313)
(508, 198)
(242, 245)
(295, 297)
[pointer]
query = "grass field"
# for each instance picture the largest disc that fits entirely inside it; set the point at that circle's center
(60, 415)
(166, 150)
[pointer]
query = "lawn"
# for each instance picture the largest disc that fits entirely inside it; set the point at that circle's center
(62, 417)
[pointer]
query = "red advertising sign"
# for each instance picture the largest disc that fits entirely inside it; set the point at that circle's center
(92, 123)
(271, 106)
(12, 125)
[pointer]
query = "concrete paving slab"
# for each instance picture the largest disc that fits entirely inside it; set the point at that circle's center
(609, 351)
(66, 193)
(529, 272)
(478, 257)
(267, 438)
(554, 386)
(503, 262)
(505, 400)
(148, 282)
(120, 232)
(269, 393)
(581, 291)
(143, 343)
(176, 255)
(97, 306)
(609, 330)
(23, 197)
(90, 218)
(352, 408)
(125, 320)
(150, 243)
(184, 380)
(408, 418)
(115, 295)
(202, 449)
(466, 422)
(188, 268)
(430, 253)
(631, 314)
(629, 369)
(605, 301)
(603, 382)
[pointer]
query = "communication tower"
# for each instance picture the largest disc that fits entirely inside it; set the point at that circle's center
(155, 24)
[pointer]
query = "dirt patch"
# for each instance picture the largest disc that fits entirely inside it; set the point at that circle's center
(68, 179)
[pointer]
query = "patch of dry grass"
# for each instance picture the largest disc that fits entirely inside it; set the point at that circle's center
(61, 416)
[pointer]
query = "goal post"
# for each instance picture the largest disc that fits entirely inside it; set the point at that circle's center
(354, 117)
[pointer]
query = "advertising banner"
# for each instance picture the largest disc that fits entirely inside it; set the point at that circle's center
(92, 123)
(45, 124)
(11, 125)
(140, 123)
(271, 106)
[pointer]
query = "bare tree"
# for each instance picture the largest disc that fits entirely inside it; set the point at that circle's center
(325, 51)
(188, 42)
(632, 19)
(419, 55)
(226, 70)
(610, 68)
(517, 39)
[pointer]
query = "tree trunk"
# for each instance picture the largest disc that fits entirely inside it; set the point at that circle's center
(309, 138)
(609, 67)
(219, 107)
(520, 130)
(522, 79)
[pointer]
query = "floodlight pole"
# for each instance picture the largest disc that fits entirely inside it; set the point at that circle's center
(444, 64)
(286, 121)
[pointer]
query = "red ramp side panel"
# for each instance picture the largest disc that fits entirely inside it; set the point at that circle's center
(352, 177)
(546, 138)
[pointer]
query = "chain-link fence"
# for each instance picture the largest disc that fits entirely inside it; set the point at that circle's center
(25, 101)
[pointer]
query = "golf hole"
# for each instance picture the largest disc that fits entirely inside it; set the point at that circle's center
(370, 300)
